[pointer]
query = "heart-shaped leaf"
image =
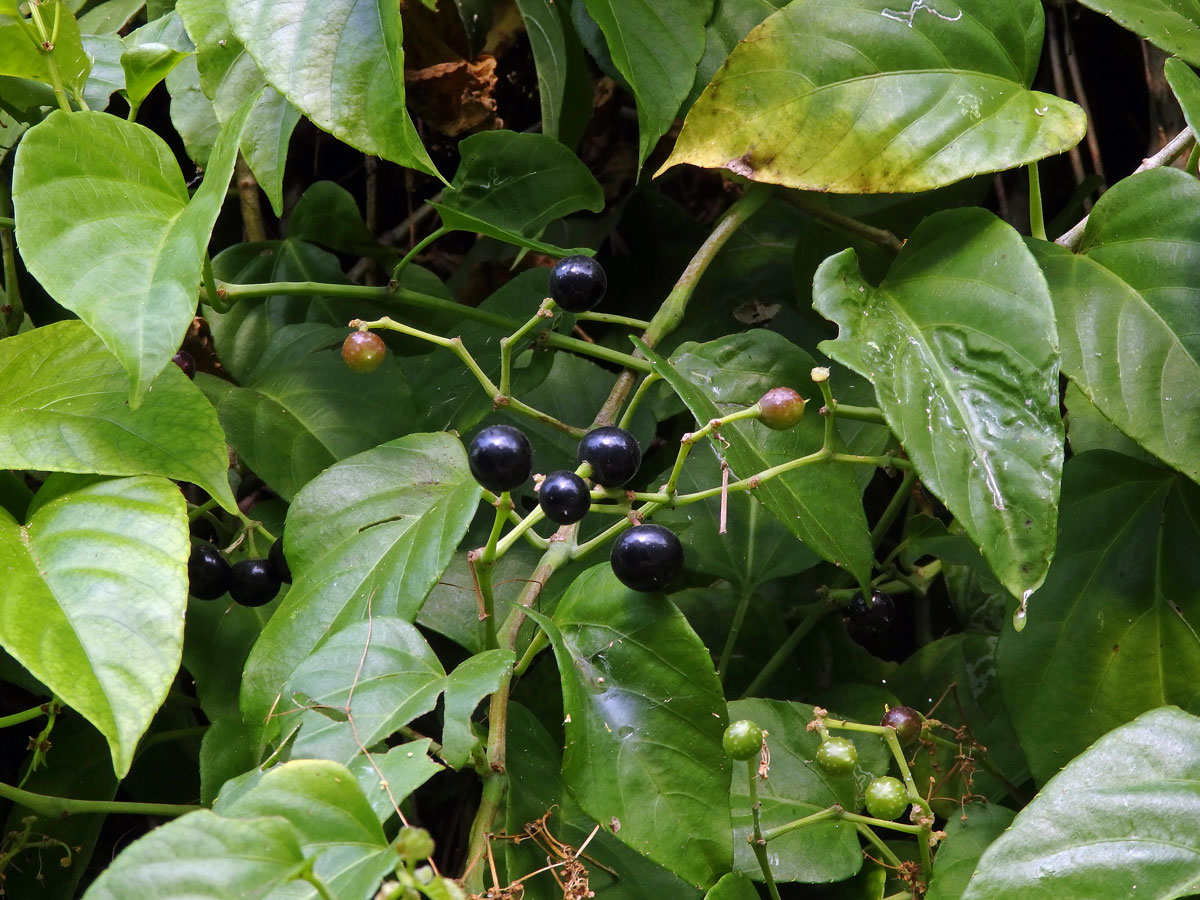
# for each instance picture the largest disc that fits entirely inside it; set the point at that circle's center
(105, 224)
(1119, 821)
(96, 579)
(959, 341)
(1116, 623)
(645, 717)
(857, 97)
(340, 62)
(820, 503)
(373, 531)
(63, 409)
(1170, 24)
(1130, 306)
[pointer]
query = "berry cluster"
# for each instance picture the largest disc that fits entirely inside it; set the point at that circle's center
(644, 558)
(250, 582)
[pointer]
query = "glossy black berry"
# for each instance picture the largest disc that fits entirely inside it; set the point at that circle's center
(564, 497)
(208, 574)
(363, 351)
(254, 582)
(578, 283)
(906, 721)
(865, 619)
(646, 557)
(500, 458)
(184, 360)
(278, 562)
(613, 453)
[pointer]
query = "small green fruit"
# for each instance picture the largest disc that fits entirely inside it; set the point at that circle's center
(837, 756)
(414, 844)
(886, 798)
(742, 740)
(781, 408)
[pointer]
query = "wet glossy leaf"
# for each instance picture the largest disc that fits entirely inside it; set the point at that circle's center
(797, 787)
(1114, 630)
(645, 719)
(1088, 429)
(63, 408)
(734, 886)
(203, 856)
(1170, 24)
(857, 97)
(379, 527)
(228, 76)
(1119, 821)
(381, 672)
(655, 44)
(1129, 308)
(820, 503)
(968, 834)
(108, 196)
(301, 409)
(339, 62)
(959, 341)
(510, 186)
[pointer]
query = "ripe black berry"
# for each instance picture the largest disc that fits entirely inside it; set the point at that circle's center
(578, 283)
(500, 458)
(613, 453)
(906, 721)
(278, 562)
(865, 620)
(564, 497)
(254, 582)
(363, 351)
(646, 557)
(184, 360)
(208, 573)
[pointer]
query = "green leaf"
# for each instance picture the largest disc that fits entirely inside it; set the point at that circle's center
(968, 834)
(656, 45)
(228, 76)
(203, 856)
(475, 678)
(1088, 429)
(94, 577)
(1170, 24)
(335, 822)
(1128, 303)
(302, 409)
(340, 63)
(379, 529)
(856, 97)
(107, 76)
(511, 185)
(63, 408)
(390, 777)
(820, 503)
(645, 717)
(1118, 821)
(734, 886)
(959, 341)
(564, 86)
(1114, 632)
(109, 16)
(191, 112)
(731, 21)
(22, 56)
(797, 787)
(380, 672)
(328, 214)
(105, 224)
(1185, 84)
(150, 53)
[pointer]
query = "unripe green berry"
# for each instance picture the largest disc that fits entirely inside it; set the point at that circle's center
(886, 798)
(414, 844)
(837, 756)
(742, 740)
(781, 408)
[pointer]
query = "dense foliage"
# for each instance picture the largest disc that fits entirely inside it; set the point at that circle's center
(631, 448)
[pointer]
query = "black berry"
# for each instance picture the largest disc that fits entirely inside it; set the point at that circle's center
(564, 497)
(208, 574)
(278, 562)
(254, 582)
(866, 619)
(906, 721)
(613, 453)
(204, 530)
(184, 360)
(646, 557)
(363, 351)
(578, 283)
(500, 458)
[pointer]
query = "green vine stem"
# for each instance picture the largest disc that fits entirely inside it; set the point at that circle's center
(545, 311)
(739, 614)
(60, 807)
(45, 44)
(757, 842)
(12, 313)
(482, 562)
(610, 319)
(895, 506)
(1037, 220)
(24, 715)
(308, 875)
(836, 813)
(688, 441)
(638, 396)
(818, 210)
(420, 245)
(231, 293)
